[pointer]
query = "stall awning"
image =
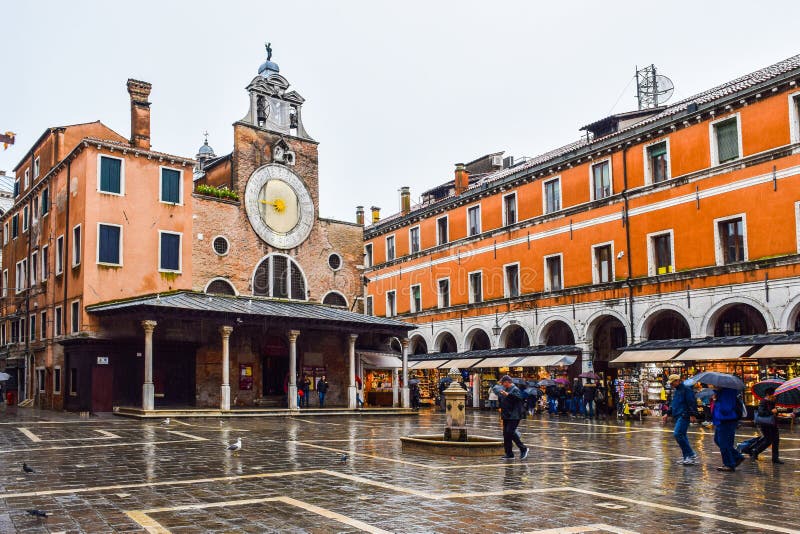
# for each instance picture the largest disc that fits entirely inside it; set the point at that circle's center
(641, 356)
(379, 360)
(778, 351)
(714, 353)
(498, 362)
(426, 364)
(545, 361)
(464, 363)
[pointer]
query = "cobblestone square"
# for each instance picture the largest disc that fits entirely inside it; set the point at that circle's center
(120, 475)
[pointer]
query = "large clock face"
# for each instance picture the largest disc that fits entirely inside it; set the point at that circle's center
(279, 207)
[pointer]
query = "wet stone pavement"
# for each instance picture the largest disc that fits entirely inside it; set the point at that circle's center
(118, 475)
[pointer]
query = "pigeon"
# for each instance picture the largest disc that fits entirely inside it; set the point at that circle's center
(26, 468)
(343, 459)
(165, 421)
(235, 447)
(37, 513)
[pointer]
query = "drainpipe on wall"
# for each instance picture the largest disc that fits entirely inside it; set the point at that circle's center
(27, 275)
(628, 239)
(63, 260)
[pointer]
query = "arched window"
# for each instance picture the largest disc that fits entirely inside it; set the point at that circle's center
(279, 276)
(220, 287)
(335, 299)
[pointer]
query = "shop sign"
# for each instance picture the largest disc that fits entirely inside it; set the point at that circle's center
(102, 360)
(245, 377)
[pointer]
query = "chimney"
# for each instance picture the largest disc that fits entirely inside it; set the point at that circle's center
(462, 178)
(140, 113)
(405, 200)
(360, 215)
(376, 214)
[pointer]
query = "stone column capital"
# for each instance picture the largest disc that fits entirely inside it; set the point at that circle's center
(404, 342)
(293, 335)
(149, 325)
(353, 338)
(225, 331)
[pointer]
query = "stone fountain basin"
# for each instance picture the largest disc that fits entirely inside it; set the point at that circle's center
(435, 444)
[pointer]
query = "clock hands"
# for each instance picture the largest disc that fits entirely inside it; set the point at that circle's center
(278, 204)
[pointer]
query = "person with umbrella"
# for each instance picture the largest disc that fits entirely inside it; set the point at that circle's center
(512, 410)
(725, 416)
(683, 410)
(413, 384)
(767, 424)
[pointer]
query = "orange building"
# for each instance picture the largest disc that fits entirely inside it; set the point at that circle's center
(676, 222)
(138, 280)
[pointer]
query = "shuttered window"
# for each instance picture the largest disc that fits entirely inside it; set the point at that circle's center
(45, 207)
(15, 226)
(170, 186)
(727, 140)
(110, 175)
(108, 248)
(170, 259)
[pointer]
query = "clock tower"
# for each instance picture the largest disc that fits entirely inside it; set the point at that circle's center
(275, 162)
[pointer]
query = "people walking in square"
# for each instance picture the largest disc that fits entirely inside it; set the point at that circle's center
(683, 410)
(492, 398)
(414, 393)
(305, 386)
(512, 410)
(589, 393)
(359, 392)
(766, 420)
(726, 418)
(322, 389)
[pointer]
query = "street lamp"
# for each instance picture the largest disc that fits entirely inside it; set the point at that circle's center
(496, 328)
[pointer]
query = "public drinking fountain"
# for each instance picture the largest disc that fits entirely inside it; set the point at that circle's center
(454, 440)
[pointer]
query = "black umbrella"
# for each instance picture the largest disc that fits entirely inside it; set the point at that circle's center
(413, 381)
(764, 388)
(547, 382)
(720, 380)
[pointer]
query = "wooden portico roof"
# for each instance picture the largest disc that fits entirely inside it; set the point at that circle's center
(244, 310)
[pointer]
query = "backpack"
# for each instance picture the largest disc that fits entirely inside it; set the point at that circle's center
(741, 407)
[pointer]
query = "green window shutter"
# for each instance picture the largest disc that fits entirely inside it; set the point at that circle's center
(109, 244)
(170, 186)
(658, 150)
(110, 175)
(727, 140)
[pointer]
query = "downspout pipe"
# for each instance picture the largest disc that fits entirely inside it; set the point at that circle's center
(629, 254)
(64, 261)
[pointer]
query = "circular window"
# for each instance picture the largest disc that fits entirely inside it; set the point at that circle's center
(220, 245)
(335, 261)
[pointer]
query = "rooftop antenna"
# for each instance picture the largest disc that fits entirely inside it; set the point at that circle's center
(652, 89)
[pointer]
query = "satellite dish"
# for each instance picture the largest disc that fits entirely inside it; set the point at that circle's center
(664, 88)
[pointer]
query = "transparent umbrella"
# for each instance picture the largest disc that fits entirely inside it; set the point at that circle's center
(4, 377)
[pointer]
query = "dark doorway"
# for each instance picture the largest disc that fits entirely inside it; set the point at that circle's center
(668, 324)
(480, 341)
(516, 338)
(740, 320)
(558, 333)
(448, 343)
(419, 346)
(102, 388)
(608, 337)
(275, 370)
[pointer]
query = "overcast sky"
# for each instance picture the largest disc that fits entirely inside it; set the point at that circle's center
(396, 92)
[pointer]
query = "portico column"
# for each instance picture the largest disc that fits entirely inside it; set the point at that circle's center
(406, 402)
(351, 388)
(395, 388)
(587, 365)
(293, 369)
(225, 389)
(148, 390)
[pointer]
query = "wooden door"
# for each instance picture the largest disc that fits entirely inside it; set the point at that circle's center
(102, 388)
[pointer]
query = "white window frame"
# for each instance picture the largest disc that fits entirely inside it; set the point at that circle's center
(369, 306)
(26, 218)
(719, 254)
(21, 273)
(368, 257)
(388, 309)
(121, 176)
(5, 233)
(76, 246)
(72, 315)
(612, 259)
(59, 254)
(41, 196)
(547, 284)
(41, 377)
(648, 170)
(410, 241)
(506, 288)
(32, 327)
(180, 185)
(45, 257)
(97, 247)
(592, 165)
(37, 168)
(712, 137)
(652, 269)
(447, 227)
(57, 370)
(794, 117)
(480, 222)
(394, 247)
(412, 306)
(34, 266)
(43, 323)
(58, 321)
(470, 296)
(544, 195)
(180, 252)
(27, 178)
(516, 208)
(439, 299)
(5, 282)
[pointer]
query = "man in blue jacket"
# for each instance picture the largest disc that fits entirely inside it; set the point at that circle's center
(684, 410)
(726, 418)
(512, 409)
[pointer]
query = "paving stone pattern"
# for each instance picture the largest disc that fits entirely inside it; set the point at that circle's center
(116, 475)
